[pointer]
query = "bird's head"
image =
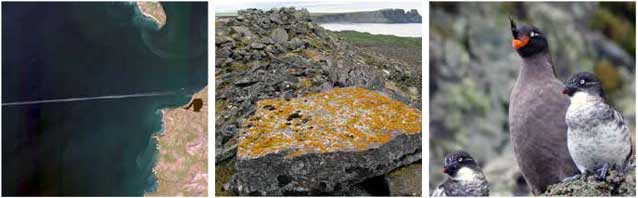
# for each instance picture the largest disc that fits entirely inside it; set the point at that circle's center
(527, 40)
(584, 82)
(457, 160)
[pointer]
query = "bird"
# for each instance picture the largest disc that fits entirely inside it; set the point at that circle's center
(597, 136)
(465, 177)
(536, 114)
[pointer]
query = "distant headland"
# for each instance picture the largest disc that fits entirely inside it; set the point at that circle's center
(378, 16)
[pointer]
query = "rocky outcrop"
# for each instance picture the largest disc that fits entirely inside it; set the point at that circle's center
(378, 16)
(616, 184)
(281, 53)
(325, 142)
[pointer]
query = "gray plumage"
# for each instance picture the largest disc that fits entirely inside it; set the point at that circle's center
(537, 115)
(597, 135)
(465, 177)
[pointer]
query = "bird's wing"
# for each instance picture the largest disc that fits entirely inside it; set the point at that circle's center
(623, 126)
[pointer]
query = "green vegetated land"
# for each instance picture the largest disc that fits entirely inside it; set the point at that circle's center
(404, 49)
(367, 39)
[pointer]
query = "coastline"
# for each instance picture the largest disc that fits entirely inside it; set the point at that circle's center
(144, 8)
(181, 166)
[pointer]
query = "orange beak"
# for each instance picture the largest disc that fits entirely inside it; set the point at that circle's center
(517, 44)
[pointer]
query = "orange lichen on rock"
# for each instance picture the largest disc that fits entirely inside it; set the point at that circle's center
(341, 119)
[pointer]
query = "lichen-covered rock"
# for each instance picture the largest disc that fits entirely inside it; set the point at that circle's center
(617, 183)
(281, 53)
(614, 185)
(324, 142)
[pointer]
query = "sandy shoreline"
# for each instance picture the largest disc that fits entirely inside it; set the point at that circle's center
(141, 4)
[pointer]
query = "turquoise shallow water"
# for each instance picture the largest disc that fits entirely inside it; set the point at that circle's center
(69, 50)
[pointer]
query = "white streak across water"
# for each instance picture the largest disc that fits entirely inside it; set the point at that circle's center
(89, 98)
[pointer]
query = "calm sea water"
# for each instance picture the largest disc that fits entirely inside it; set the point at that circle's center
(68, 50)
(396, 29)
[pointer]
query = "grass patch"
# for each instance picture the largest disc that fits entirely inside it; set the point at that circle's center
(367, 39)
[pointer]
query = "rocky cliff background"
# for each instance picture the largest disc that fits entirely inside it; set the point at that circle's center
(473, 68)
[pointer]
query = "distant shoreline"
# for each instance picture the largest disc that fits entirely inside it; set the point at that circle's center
(139, 5)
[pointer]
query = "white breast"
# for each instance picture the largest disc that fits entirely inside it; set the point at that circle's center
(592, 141)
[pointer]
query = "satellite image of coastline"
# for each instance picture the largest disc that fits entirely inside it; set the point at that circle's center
(104, 99)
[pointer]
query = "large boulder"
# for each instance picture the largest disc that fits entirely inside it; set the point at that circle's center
(324, 142)
(278, 53)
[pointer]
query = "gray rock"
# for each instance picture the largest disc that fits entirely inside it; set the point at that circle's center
(222, 39)
(295, 43)
(245, 82)
(242, 31)
(405, 181)
(279, 35)
(318, 174)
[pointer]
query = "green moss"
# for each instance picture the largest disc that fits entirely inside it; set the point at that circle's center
(617, 26)
(220, 107)
(467, 97)
(223, 172)
(608, 75)
(239, 66)
(588, 186)
(362, 38)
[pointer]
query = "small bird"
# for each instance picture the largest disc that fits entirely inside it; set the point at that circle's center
(465, 177)
(537, 108)
(597, 136)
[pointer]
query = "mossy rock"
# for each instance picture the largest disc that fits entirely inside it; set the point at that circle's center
(223, 173)
(620, 29)
(609, 75)
(616, 184)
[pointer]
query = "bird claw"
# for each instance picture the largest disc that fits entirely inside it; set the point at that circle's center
(601, 173)
(572, 178)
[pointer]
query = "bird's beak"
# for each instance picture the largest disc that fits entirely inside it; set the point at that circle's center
(449, 168)
(519, 43)
(569, 90)
(516, 42)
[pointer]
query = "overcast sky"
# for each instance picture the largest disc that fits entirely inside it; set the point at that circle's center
(317, 5)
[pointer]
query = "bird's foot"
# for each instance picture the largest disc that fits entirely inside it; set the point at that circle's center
(572, 178)
(601, 173)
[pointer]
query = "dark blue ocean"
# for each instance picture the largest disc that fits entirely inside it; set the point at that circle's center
(70, 50)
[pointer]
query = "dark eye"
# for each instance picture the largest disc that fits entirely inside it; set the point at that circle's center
(582, 81)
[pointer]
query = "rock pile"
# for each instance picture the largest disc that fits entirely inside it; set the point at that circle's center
(324, 143)
(616, 184)
(279, 53)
